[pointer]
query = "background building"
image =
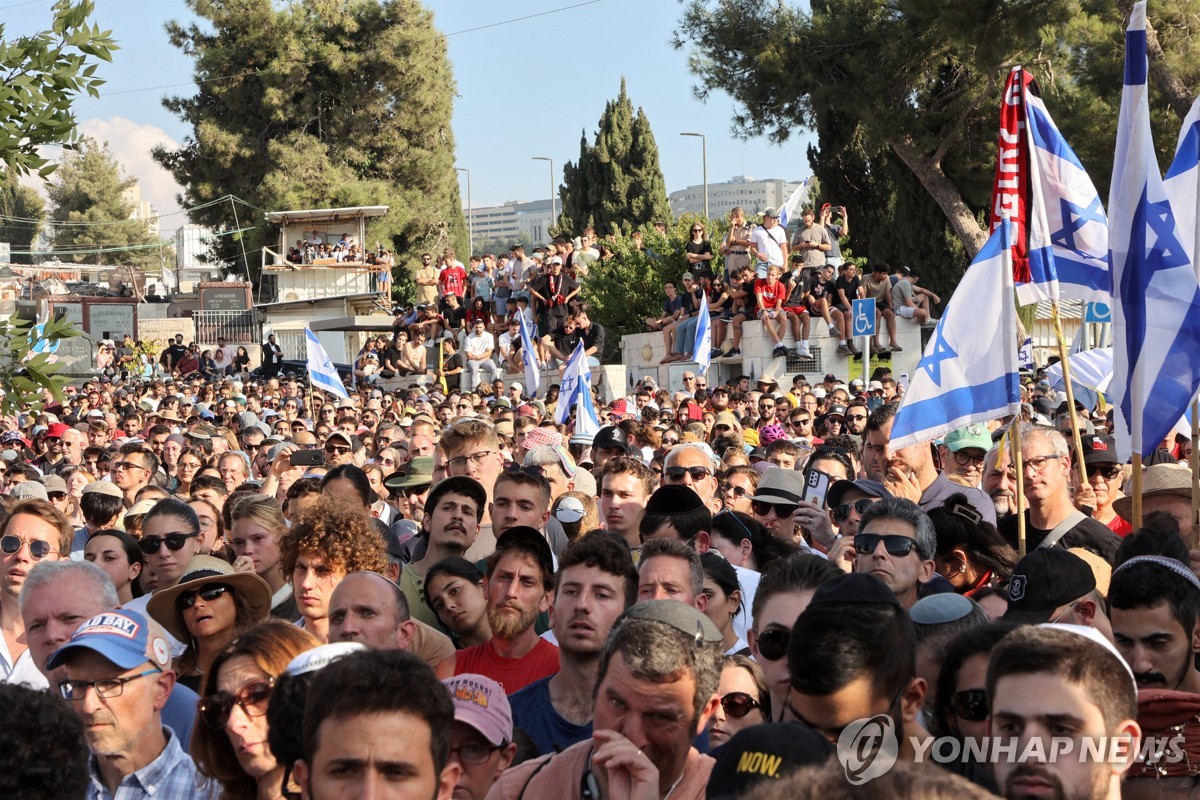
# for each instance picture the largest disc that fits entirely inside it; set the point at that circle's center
(741, 190)
(191, 248)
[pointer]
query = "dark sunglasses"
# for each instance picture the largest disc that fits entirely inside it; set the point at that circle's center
(842, 512)
(971, 705)
(207, 594)
(37, 548)
(738, 491)
(329, 448)
(251, 698)
(1109, 471)
(773, 643)
(677, 473)
(174, 542)
(739, 704)
(782, 510)
(899, 546)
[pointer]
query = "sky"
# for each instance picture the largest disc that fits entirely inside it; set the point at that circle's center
(531, 76)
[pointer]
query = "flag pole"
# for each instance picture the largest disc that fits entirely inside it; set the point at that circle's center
(1137, 491)
(1193, 460)
(1019, 471)
(1062, 354)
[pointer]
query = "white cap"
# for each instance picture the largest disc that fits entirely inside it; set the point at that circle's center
(1099, 638)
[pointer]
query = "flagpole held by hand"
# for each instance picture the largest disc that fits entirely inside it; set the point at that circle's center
(1062, 354)
(1019, 485)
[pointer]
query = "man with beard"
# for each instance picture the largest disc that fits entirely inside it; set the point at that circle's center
(1000, 481)
(596, 583)
(451, 523)
(1155, 604)
(520, 578)
(1053, 681)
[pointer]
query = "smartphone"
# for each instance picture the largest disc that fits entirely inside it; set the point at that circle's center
(816, 486)
(903, 380)
(306, 458)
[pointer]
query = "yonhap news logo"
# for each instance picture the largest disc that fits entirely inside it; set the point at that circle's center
(867, 748)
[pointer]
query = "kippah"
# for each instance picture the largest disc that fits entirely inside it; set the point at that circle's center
(680, 616)
(321, 657)
(1169, 563)
(857, 589)
(939, 609)
(673, 498)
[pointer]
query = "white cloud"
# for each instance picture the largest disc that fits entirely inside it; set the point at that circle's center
(131, 144)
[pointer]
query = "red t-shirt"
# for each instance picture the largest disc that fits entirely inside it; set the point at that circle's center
(512, 674)
(772, 296)
(453, 279)
(1120, 526)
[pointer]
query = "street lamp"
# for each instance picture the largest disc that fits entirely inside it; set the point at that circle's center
(553, 204)
(704, 160)
(470, 211)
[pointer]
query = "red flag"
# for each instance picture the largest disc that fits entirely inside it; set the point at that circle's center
(1010, 191)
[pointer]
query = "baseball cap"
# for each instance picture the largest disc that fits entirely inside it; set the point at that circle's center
(975, 436)
(54, 484)
(1046, 578)
(788, 745)
(56, 430)
(770, 211)
(833, 497)
(28, 490)
(126, 638)
(1099, 448)
(610, 436)
(480, 703)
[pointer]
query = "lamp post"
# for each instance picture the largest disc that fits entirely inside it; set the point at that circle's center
(470, 212)
(553, 204)
(704, 161)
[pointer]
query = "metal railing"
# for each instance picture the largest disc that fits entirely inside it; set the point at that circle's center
(235, 327)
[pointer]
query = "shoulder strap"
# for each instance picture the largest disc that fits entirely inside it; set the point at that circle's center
(1060, 530)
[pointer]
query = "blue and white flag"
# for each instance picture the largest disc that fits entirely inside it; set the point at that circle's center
(968, 373)
(1156, 314)
(575, 393)
(789, 208)
(321, 372)
(702, 347)
(1068, 231)
(1182, 183)
(533, 368)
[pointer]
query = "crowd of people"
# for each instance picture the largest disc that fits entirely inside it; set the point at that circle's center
(229, 588)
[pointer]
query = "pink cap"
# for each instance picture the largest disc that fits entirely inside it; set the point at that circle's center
(481, 703)
(537, 437)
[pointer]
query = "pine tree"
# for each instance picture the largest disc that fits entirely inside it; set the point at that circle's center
(617, 185)
(89, 187)
(17, 205)
(330, 104)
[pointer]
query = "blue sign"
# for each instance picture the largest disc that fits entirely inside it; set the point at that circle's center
(1098, 312)
(862, 313)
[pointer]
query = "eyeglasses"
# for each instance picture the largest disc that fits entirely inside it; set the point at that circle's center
(782, 510)
(675, 474)
(842, 512)
(773, 643)
(333, 449)
(105, 687)
(37, 548)
(209, 593)
(971, 705)
(120, 465)
(174, 542)
(473, 753)
(670, 441)
(252, 699)
(964, 459)
(899, 546)
(477, 459)
(1109, 471)
(1038, 463)
(739, 704)
(689, 378)
(738, 491)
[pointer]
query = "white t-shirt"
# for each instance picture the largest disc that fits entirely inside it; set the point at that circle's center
(769, 244)
(480, 344)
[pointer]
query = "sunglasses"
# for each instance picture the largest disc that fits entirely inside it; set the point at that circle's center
(782, 510)
(335, 450)
(207, 594)
(674, 474)
(251, 698)
(37, 548)
(670, 441)
(739, 704)
(1109, 471)
(899, 546)
(773, 643)
(842, 512)
(971, 705)
(174, 542)
(738, 491)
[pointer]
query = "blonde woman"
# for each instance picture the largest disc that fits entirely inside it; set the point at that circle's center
(257, 526)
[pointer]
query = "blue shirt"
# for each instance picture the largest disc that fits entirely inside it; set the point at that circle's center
(179, 714)
(533, 713)
(171, 776)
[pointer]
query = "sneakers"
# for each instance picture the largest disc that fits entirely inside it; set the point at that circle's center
(715, 353)
(843, 350)
(779, 352)
(833, 330)
(732, 352)
(803, 351)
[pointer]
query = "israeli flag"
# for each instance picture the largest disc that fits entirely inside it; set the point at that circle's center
(533, 368)
(702, 349)
(575, 393)
(321, 372)
(1156, 316)
(789, 208)
(1068, 231)
(1182, 183)
(968, 373)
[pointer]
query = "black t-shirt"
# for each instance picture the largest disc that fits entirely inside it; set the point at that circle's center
(1089, 533)
(750, 302)
(699, 249)
(563, 285)
(565, 342)
(393, 355)
(850, 287)
(172, 354)
(593, 337)
(454, 317)
(455, 362)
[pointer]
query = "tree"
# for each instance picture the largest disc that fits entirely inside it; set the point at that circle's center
(40, 77)
(21, 212)
(91, 214)
(617, 185)
(318, 104)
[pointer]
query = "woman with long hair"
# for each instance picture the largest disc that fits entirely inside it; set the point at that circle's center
(191, 461)
(230, 743)
(207, 609)
(241, 361)
(745, 700)
(76, 478)
(454, 590)
(118, 554)
(257, 526)
(724, 593)
(971, 553)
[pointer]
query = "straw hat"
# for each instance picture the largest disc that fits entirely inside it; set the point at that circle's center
(203, 571)
(1159, 479)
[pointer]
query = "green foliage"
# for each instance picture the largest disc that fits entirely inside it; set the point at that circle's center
(19, 203)
(500, 244)
(625, 290)
(40, 76)
(617, 185)
(330, 104)
(27, 380)
(88, 188)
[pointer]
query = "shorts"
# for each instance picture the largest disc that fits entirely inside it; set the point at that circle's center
(905, 312)
(797, 310)
(834, 261)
